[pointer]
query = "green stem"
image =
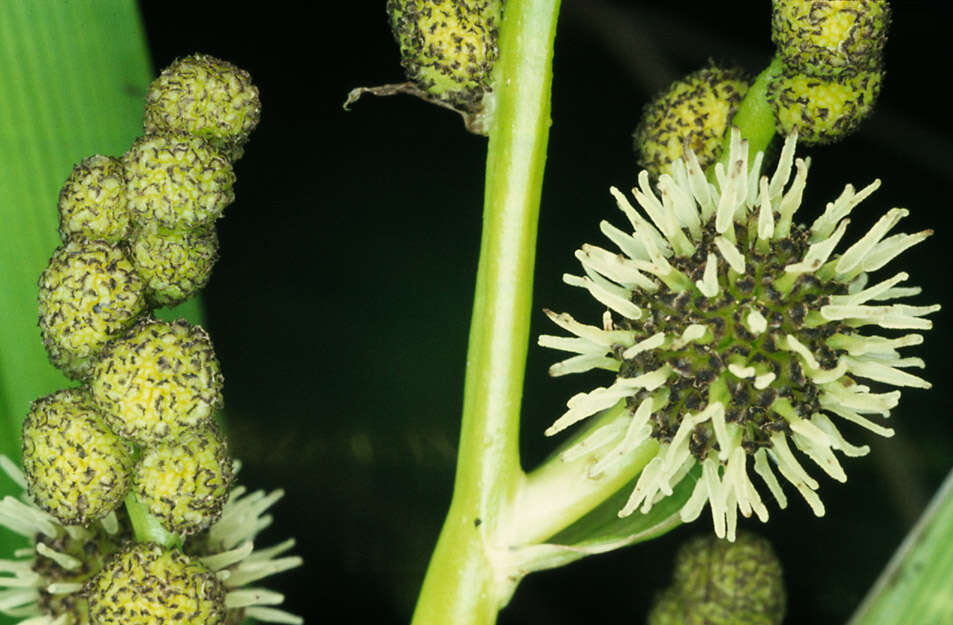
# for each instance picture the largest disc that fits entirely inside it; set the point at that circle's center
(145, 527)
(467, 581)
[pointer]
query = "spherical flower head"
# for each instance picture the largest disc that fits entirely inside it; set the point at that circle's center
(92, 202)
(206, 97)
(736, 334)
(157, 380)
(695, 112)
(448, 47)
(89, 293)
(76, 468)
(173, 264)
(824, 38)
(177, 181)
(184, 480)
(146, 584)
(722, 583)
(823, 111)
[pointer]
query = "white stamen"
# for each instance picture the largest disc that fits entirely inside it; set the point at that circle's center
(716, 495)
(890, 248)
(895, 316)
(590, 333)
(837, 440)
(702, 190)
(741, 372)
(677, 200)
(708, 285)
(615, 266)
(869, 293)
(645, 487)
(629, 245)
(850, 415)
(840, 208)
(601, 437)
(643, 230)
(731, 254)
(817, 445)
(819, 252)
(66, 561)
(766, 215)
(783, 171)
(885, 373)
(582, 363)
(792, 199)
(762, 381)
(13, 471)
(654, 341)
(756, 322)
(664, 219)
(763, 469)
(636, 433)
(583, 405)
(853, 256)
(615, 297)
(696, 503)
(272, 615)
(796, 346)
(252, 596)
(252, 571)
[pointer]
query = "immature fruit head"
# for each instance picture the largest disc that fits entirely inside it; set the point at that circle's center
(89, 293)
(157, 380)
(448, 47)
(146, 585)
(206, 97)
(184, 480)
(177, 181)
(824, 38)
(695, 112)
(173, 264)
(92, 202)
(76, 468)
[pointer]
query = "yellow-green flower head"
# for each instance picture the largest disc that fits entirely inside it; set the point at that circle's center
(207, 97)
(448, 47)
(184, 480)
(157, 380)
(89, 293)
(173, 264)
(722, 583)
(76, 468)
(92, 202)
(695, 112)
(824, 38)
(738, 336)
(146, 584)
(823, 111)
(176, 180)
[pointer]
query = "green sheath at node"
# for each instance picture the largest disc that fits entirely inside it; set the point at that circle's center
(174, 264)
(92, 203)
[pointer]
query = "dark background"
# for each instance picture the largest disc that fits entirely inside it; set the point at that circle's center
(340, 307)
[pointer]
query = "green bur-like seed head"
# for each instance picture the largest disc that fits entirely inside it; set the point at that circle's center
(823, 111)
(206, 97)
(177, 181)
(735, 333)
(448, 47)
(89, 293)
(824, 38)
(184, 480)
(721, 583)
(148, 585)
(173, 264)
(76, 468)
(695, 112)
(157, 380)
(92, 203)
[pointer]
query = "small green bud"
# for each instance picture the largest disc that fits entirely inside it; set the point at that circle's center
(178, 181)
(92, 202)
(184, 481)
(76, 468)
(147, 585)
(824, 38)
(823, 111)
(157, 380)
(173, 264)
(448, 47)
(206, 97)
(695, 112)
(89, 293)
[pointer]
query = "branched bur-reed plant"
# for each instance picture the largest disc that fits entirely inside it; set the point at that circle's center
(744, 347)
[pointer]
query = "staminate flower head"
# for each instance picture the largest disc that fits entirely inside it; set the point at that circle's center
(207, 97)
(448, 47)
(826, 37)
(76, 468)
(184, 480)
(89, 294)
(737, 334)
(173, 264)
(157, 380)
(92, 202)
(823, 111)
(177, 180)
(693, 111)
(146, 584)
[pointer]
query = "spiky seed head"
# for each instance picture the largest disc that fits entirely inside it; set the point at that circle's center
(825, 38)
(734, 331)
(206, 97)
(146, 584)
(177, 180)
(448, 47)
(89, 293)
(157, 380)
(823, 111)
(76, 468)
(173, 264)
(92, 202)
(694, 111)
(184, 480)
